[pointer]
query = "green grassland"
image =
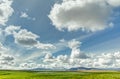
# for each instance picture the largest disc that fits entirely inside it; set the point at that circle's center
(58, 75)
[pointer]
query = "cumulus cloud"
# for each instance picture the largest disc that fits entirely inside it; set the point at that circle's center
(79, 59)
(24, 37)
(11, 29)
(76, 59)
(74, 44)
(48, 56)
(5, 59)
(103, 60)
(76, 53)
(5, 11)
(62, 58)
(68, 60)
(88, 15)
(4, 52)
(59, 62)
(27, 65)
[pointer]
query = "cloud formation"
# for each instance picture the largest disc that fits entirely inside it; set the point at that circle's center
(29, 39)
(75, 59)
(11, 30)
(103, 60)
(25, 38)
(76, 53)
(71, 15)
(87, 15)
(7, 58)
(5, 11)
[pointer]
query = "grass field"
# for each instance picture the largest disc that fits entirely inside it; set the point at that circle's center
(59, 75)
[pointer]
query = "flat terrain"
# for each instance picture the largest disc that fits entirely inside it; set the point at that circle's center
(59, 75)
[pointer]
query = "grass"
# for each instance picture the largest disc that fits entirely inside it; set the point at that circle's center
(58, 75)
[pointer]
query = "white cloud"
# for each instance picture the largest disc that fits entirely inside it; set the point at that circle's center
(25, 38)
(48, 56)
(73, 44)
(45, 46)
(21, 36)
(6, 64)
(5, 11)
(51, 59)
(27, 65)
(114, 3)
(62, 58)
(76, 53)
(24, 15)
(68, 61)
(76, 58)
(11, 29)
(103, 60)
(2, 47)
(6, 58)
(88, 15)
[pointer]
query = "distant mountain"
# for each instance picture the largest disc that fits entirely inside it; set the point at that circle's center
(49, 69)
(41, 69)
(72, 69)
(63, 69)
(82, 68)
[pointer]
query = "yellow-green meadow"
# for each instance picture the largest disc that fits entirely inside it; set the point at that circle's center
(8, 74)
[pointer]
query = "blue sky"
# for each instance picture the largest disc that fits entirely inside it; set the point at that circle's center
(43, 33)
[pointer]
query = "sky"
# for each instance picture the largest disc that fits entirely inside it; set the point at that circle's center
(59, 34)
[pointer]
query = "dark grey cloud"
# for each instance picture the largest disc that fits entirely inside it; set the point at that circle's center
(26, 42)
(7, 58)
